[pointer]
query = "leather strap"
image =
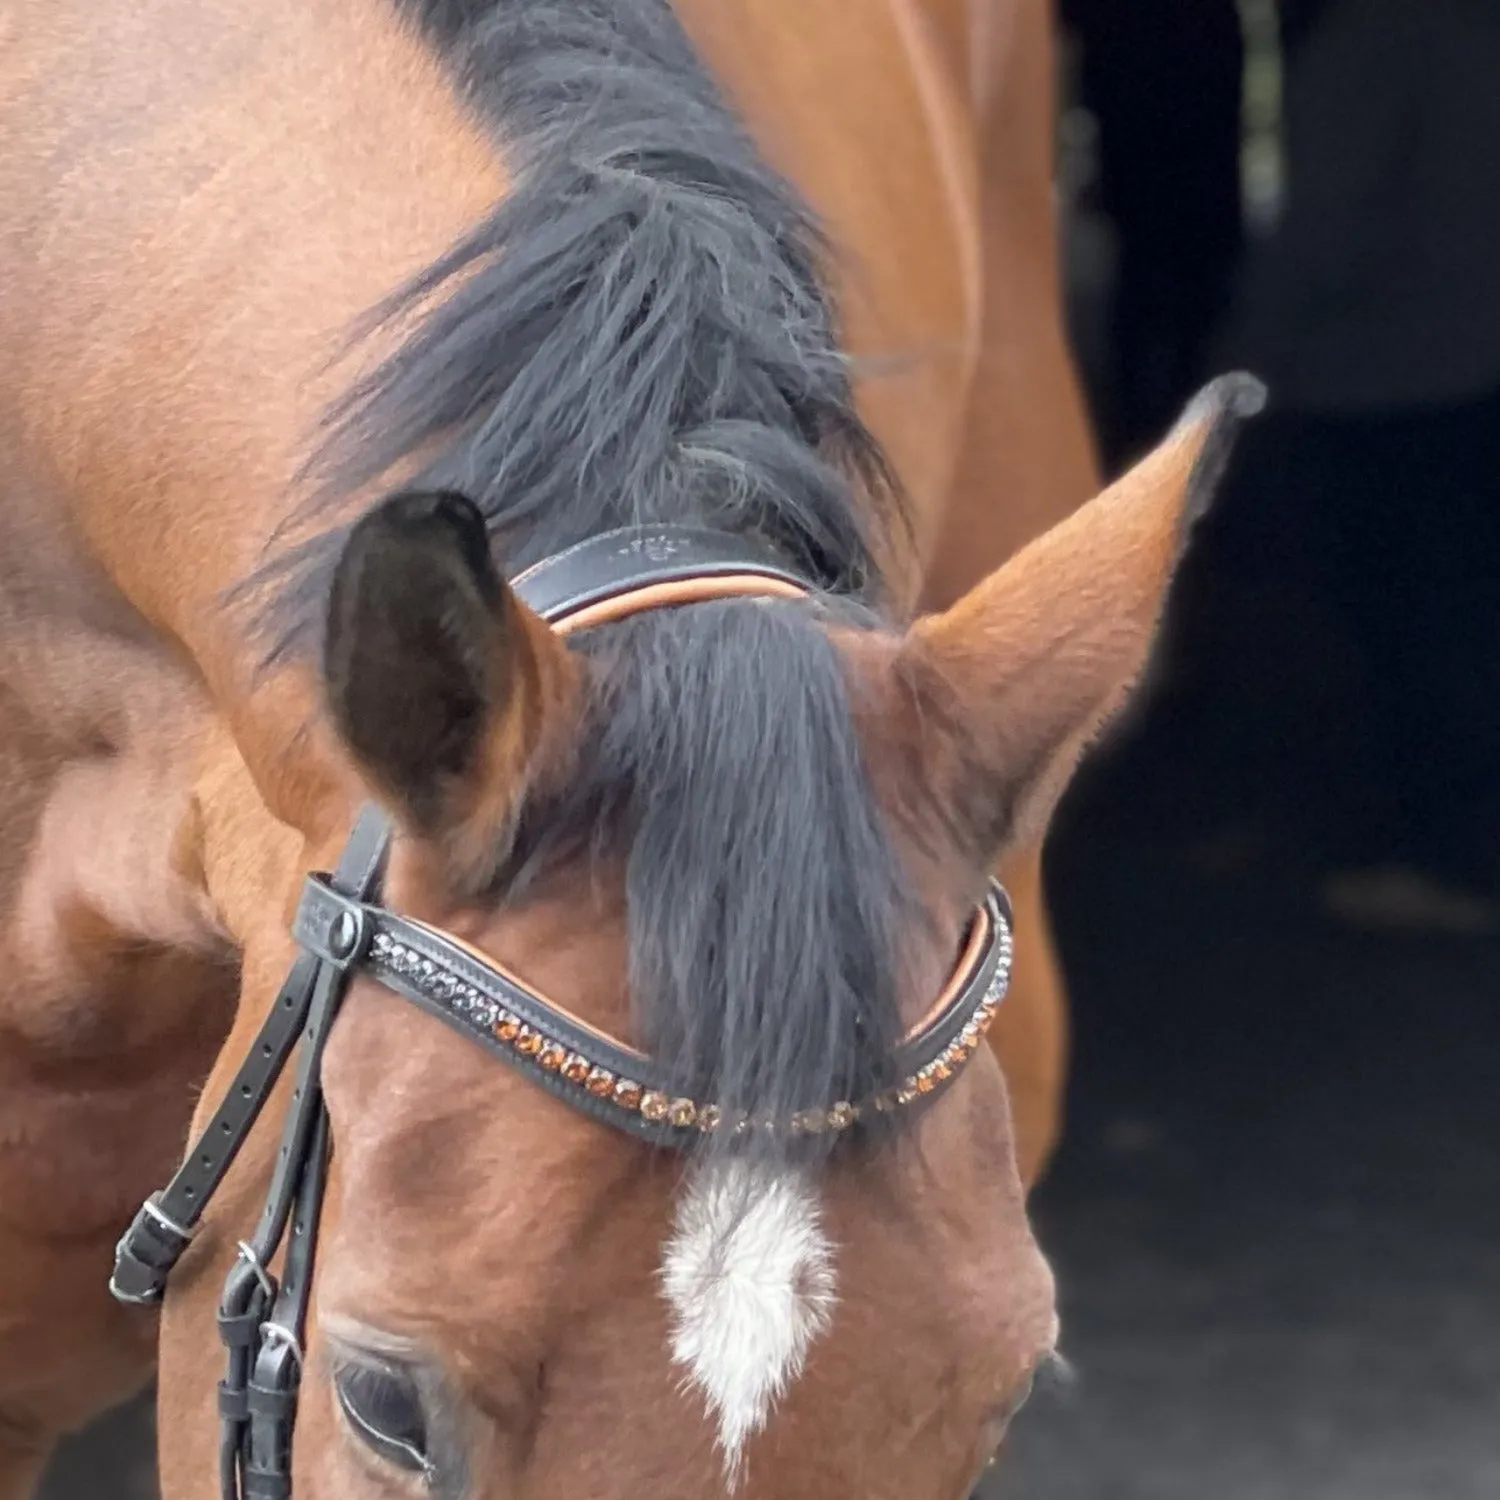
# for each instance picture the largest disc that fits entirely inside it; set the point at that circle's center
(261, 1323)
(164, 1226)
(641, 557)
(566, 1054)
(271, 1401)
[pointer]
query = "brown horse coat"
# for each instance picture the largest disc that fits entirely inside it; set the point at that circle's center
(197, 201)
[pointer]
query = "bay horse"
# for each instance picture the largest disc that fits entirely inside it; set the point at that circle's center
(329, 328)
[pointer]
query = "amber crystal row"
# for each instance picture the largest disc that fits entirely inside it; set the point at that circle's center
(487, 1017)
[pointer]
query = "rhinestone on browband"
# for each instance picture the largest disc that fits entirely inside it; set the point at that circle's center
(447, 990)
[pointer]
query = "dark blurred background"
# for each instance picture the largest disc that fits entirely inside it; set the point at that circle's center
(1276, 1215)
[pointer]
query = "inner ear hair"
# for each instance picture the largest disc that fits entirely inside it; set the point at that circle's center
(446, 689)
(1006, 689)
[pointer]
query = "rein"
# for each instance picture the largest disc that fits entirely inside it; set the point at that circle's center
(342, 929)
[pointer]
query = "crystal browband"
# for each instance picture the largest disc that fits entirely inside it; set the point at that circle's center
(611, 1082)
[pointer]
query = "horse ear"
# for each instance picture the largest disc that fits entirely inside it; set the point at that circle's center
(1011, 683)
(445, 688)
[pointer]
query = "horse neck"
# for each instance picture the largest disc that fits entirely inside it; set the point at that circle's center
(173, 410)
(110, 866)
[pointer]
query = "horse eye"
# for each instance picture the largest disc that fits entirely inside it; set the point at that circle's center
(384, 1407)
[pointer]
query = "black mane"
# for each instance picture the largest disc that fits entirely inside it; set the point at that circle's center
(639, 332)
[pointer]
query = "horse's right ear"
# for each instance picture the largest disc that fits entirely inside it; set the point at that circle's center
(447, 690)
(1012, 682)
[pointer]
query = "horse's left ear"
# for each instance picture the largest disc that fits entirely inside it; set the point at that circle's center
(446, 689)
(1010, 684)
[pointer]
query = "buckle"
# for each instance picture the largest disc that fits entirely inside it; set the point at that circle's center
(145, 1255)
(333, 928)
(132, 1281)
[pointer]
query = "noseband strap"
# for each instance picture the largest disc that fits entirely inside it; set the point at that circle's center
(341, 928)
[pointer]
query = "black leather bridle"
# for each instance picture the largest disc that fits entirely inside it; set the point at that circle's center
(342, 929)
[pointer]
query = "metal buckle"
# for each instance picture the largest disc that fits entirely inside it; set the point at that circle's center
(129, 1257)
(277, 1333)
(332, 927)
(263, 1276)
(153, 1209)
(148, 1298)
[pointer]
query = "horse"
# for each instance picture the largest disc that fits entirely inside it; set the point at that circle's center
(342, 338)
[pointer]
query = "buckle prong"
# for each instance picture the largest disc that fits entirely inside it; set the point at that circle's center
(275, 1333)
(251, 1259)
(153, 1210)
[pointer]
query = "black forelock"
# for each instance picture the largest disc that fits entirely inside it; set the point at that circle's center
(764, 898)
(639, 332)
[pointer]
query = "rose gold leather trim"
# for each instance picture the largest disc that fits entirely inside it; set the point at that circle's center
(679, 591)
(979, 935)
(485, 961)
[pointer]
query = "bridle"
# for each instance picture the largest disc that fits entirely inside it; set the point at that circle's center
(343, 929)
